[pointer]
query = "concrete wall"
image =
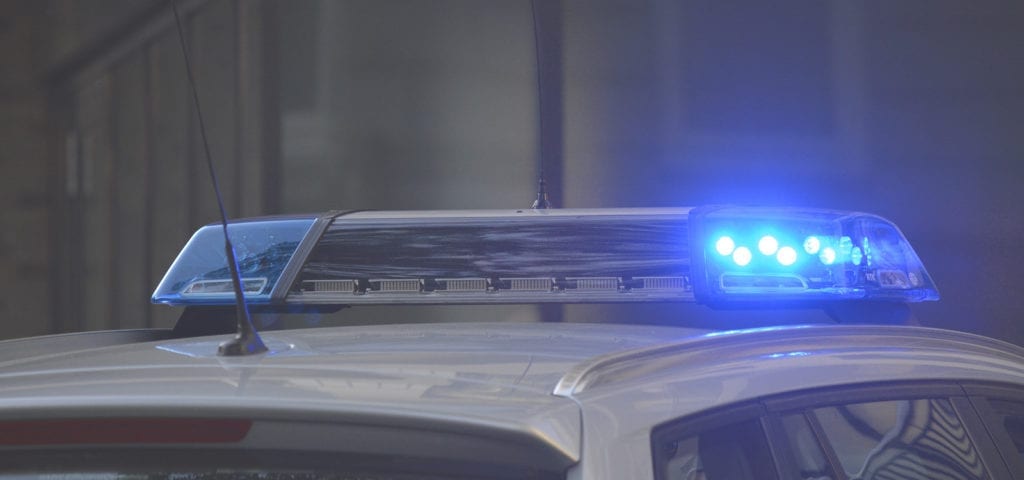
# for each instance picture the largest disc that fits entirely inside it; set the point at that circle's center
(912, 110)
(25, 186)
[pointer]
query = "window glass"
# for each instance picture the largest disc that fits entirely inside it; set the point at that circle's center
(906, 439)
(1015, 427)
(1011, 416)
(734, 452)
(809, 459)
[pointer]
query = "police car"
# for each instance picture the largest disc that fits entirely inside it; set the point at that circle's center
(866, 397)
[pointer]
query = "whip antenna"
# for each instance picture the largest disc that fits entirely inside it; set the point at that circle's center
(541, 203)
(247, 341)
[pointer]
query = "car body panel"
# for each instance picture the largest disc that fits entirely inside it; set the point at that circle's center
(623, 401)
(447, 377)
(580, 397)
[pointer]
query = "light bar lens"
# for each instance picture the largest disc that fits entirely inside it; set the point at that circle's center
(200, 274)
(800, 254)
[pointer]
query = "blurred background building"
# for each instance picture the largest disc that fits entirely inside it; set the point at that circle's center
(913, 110)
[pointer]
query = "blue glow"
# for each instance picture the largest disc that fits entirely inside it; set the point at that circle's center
(856, 256)
(786, 256)
(828, 255)
(788, 355)
(725, 245)
(768, 245)
(812, 245)
(742, 256)
(738, 331)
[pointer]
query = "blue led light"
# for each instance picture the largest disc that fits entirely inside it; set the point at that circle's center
(845, 244)
(856, 256)
(812, 245)
(786, 256)
(828, 255)
(867, 252)
(768, 245)
(725, 246)
(742, 256)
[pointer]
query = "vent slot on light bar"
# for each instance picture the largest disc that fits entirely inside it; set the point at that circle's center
(509, 259)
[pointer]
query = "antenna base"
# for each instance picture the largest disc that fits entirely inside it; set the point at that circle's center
(541, 203)
(241, 346)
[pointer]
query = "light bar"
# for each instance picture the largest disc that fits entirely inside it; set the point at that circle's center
(711, 255)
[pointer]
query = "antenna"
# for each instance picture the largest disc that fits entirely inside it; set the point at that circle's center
(541, 203)
(247, 341)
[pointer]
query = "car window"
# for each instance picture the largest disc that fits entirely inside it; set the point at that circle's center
(904, 439)
(808, 458)
(1015, 427)
(1010, 416)
(738, 451)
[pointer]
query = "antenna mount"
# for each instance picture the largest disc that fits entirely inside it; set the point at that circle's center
(541, 203)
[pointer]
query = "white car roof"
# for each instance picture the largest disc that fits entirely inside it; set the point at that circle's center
(537, 381)
(483, 376)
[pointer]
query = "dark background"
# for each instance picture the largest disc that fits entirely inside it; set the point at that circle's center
(913, 110)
